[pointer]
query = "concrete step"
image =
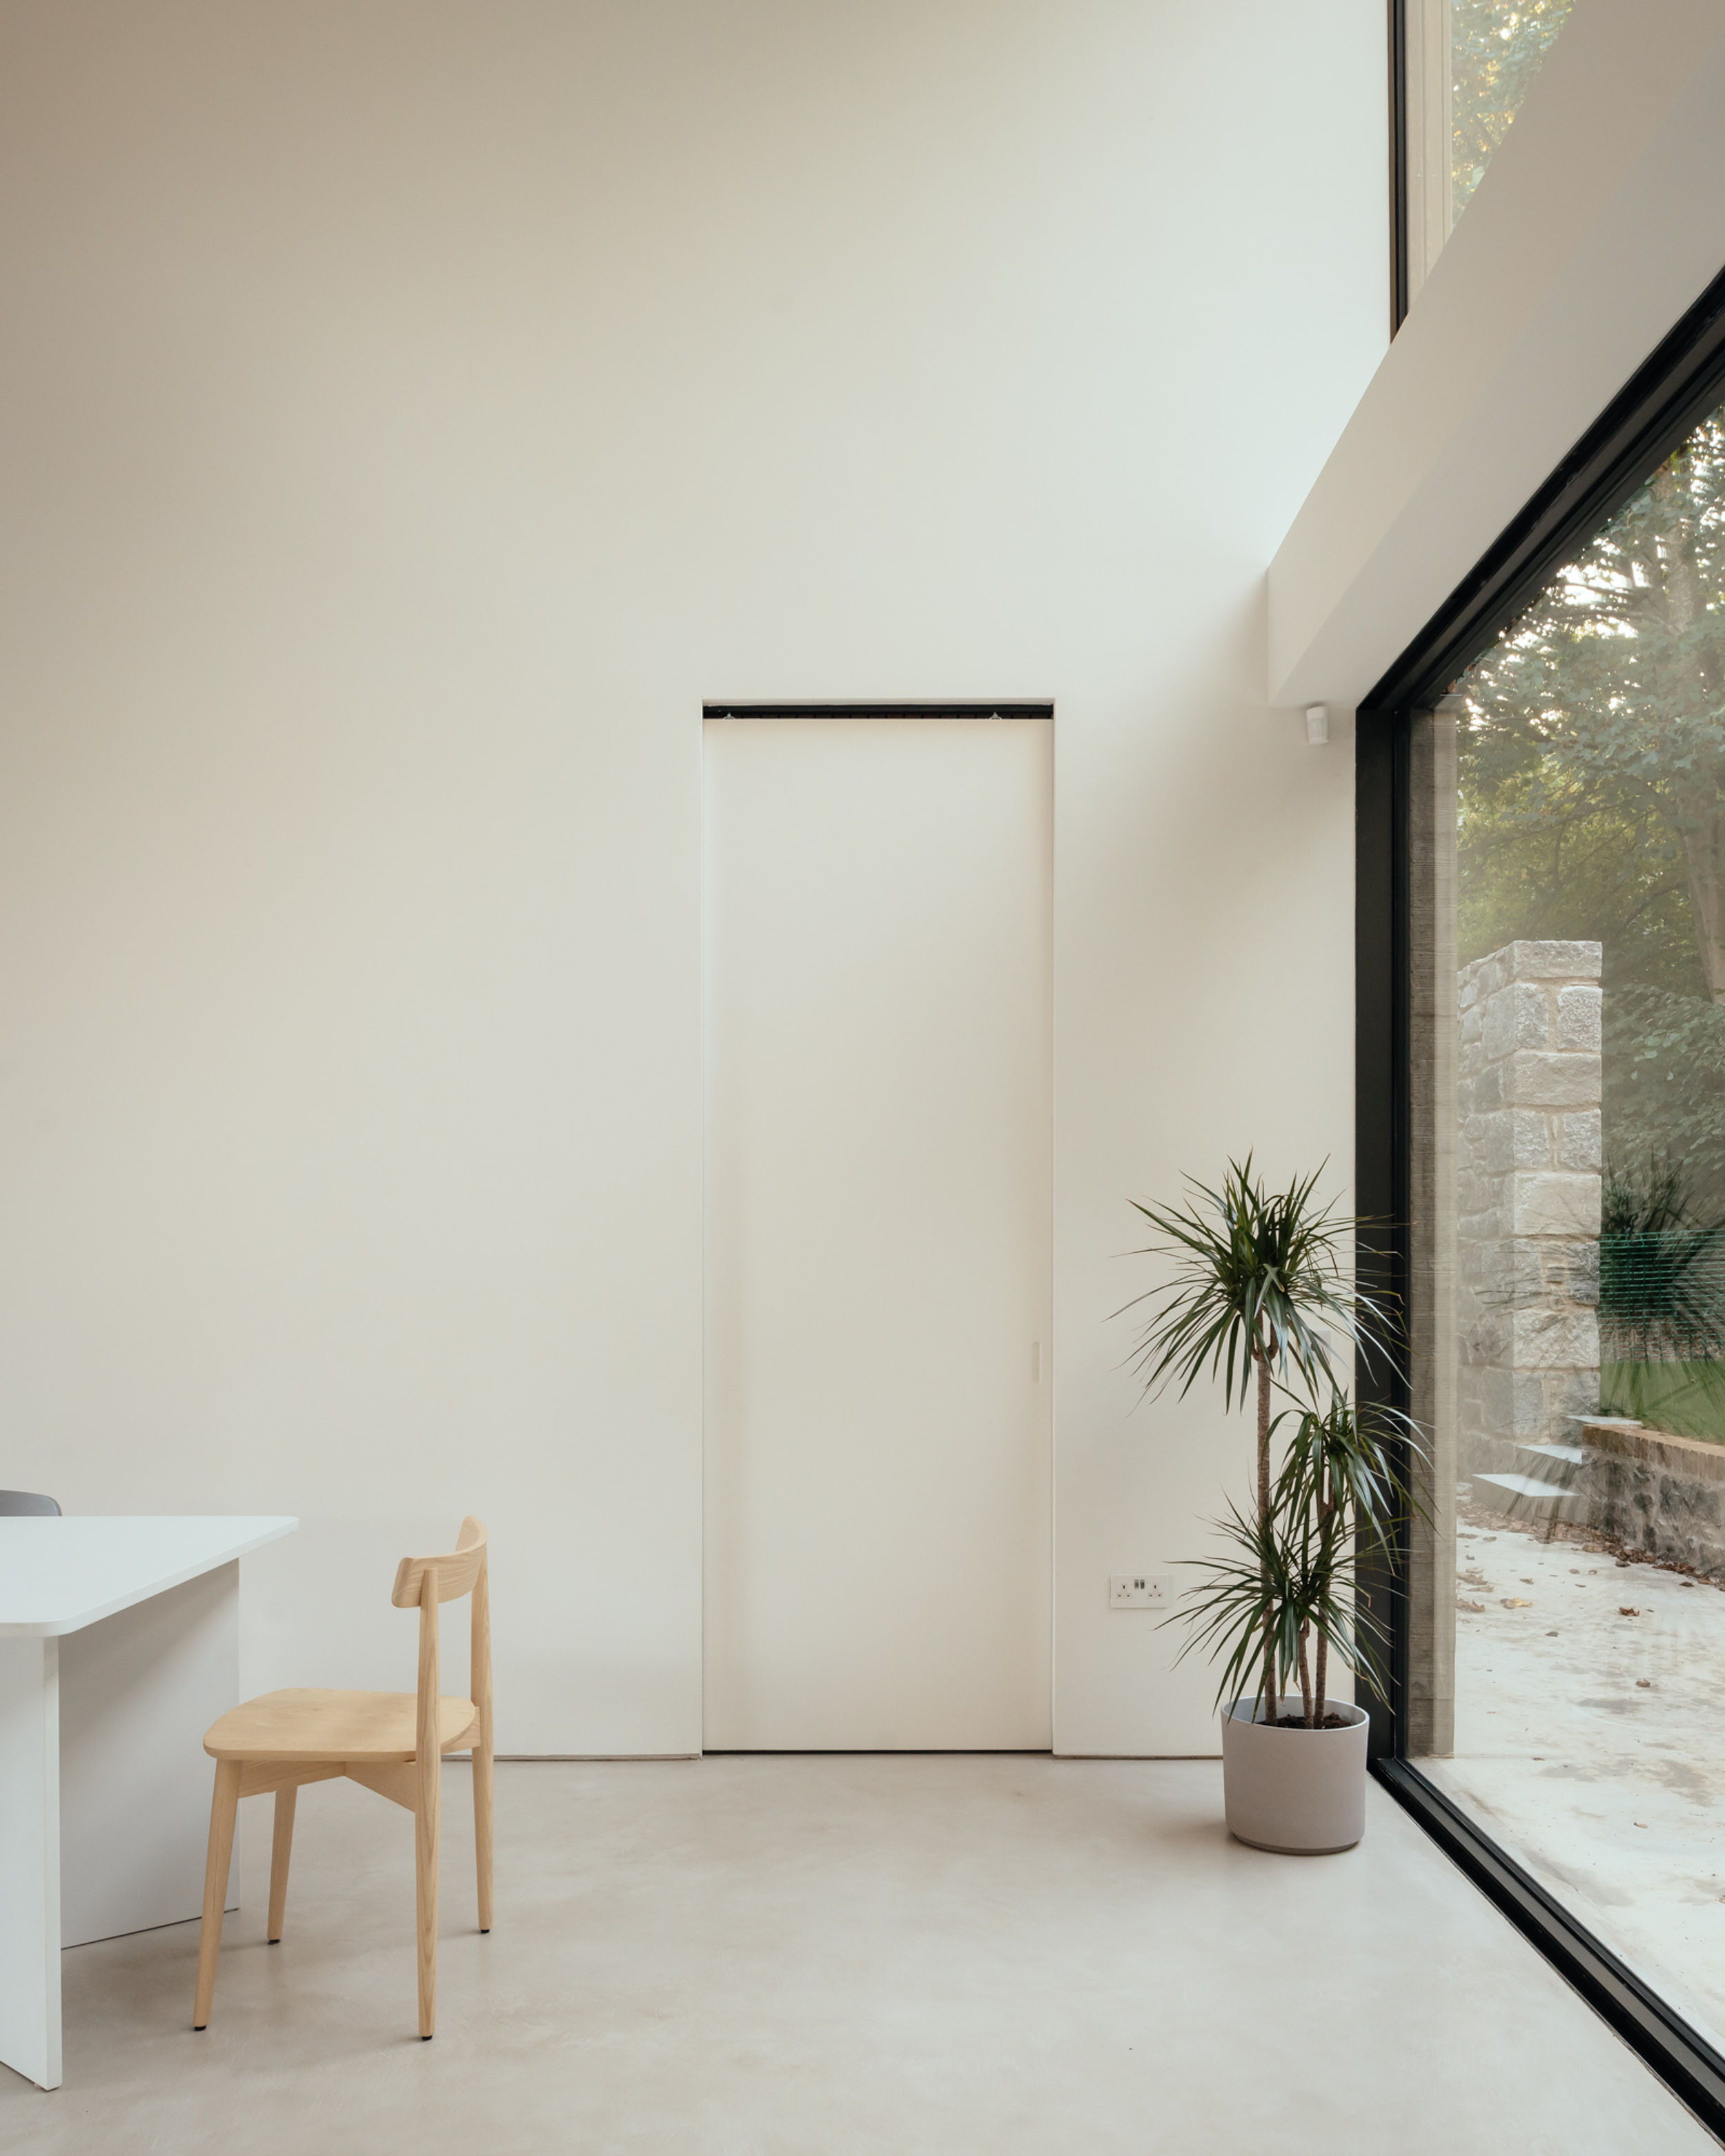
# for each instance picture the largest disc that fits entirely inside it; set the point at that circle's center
(1556, 1463)
(1527, 1498)
(1572, 1455)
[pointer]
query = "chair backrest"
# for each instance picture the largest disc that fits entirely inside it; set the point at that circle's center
(26, 1504)
(424, 1584)
(455, 1575)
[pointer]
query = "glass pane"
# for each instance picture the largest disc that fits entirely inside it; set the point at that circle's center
(1584, 1225)
(1495, 53)
(1469, 65)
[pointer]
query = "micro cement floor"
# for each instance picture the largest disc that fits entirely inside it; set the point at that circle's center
(923, 1955)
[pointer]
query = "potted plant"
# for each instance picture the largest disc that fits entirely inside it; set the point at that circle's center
(1260, 1295)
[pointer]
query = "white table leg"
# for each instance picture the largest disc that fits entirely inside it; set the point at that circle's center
(30, 1859)
(137, 1691)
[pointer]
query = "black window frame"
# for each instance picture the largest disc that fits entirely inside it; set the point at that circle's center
(1680, 383)
(1397, 42)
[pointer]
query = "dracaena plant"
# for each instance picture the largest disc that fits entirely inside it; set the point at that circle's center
(1280, 1601)
(1260, 1295)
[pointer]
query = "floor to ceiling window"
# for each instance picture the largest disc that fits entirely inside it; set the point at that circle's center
(1580, 760)
(1541, 1073)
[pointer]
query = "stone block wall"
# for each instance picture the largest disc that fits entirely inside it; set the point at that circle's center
(1528, 1181)
(1655, 1492)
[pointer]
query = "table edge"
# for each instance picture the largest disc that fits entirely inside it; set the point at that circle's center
(275, 1525)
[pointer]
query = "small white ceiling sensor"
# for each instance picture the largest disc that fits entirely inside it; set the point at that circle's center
(1317, 724)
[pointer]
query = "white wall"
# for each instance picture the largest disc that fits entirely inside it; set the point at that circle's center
(1599, 222)
(413, 411)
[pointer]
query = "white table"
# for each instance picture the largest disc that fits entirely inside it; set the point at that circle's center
(119, 1646)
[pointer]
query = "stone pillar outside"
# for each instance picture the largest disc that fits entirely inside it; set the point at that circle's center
(1528, 1174)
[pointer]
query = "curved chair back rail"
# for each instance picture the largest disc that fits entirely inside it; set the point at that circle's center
(390, 1742)
(455, 1573)
(27, 1505)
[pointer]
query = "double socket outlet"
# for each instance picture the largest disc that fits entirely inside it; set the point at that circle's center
(1141, 1591)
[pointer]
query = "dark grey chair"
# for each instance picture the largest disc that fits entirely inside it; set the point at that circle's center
(15, 1502)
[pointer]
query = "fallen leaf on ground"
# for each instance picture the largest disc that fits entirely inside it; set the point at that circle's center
(1624, 1610)
(1516, 1602)
(1644, 1684)
(1475, 1606)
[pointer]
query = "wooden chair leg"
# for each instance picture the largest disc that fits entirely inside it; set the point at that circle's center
(224, 1805)
(427, 1801)
(281, 1849)
(427, 1807)
(482, 1829)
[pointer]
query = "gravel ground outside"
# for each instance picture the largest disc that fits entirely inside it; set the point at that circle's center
(1590, 1742)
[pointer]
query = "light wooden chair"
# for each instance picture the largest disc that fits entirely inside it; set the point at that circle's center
(392, 1742)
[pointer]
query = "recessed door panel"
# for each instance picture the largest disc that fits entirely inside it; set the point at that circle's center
(878, 1223)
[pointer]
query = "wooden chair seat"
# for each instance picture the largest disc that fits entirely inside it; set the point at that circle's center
(312, 1725)
(390, 1742)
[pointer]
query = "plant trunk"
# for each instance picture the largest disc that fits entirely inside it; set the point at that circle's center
(1703, 836)
(1304, 1677)
(1327, 1546)
(1263, 1363)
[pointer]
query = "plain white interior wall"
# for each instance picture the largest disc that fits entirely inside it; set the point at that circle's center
(412, 411)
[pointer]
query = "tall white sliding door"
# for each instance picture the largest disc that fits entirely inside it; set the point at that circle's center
(878, 1233)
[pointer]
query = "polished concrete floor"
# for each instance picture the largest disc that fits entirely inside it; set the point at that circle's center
(923, 1955)
(1590, 1743)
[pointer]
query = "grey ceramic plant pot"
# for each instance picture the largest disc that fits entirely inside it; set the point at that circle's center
(1298, 1792)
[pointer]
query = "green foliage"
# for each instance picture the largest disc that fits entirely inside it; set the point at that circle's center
(1542, 856)
(1347, 1466)
(1660, 1281)
(1686, 1398)
(1269, 1587)
(1592, 765)
(1593, 744)
(1258, 1278)
(1650, 1198)
(1665, 1087)
(1289, 1577)
(1495, 53)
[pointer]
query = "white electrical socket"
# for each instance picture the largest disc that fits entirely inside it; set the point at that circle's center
(1139, 1590)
